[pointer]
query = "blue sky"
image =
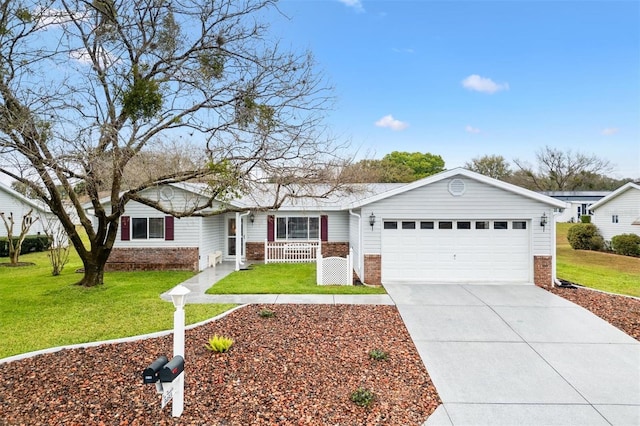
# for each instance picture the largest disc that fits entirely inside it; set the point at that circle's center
(467, 78)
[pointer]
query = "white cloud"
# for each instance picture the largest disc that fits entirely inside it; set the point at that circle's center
(51, 17)
(356, 4)
(82, 56)
(470, 129)
(482, 84)
(391, 123)
(610, 131)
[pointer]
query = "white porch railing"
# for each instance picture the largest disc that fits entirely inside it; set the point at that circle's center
(334, 270)
(291, 252)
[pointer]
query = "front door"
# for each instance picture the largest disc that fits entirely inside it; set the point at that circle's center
(231, 237)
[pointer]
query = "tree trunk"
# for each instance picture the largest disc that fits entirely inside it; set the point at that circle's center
(14, 255)
(93, 273)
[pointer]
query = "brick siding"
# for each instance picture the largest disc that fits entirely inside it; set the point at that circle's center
(542, 271)
(153, 259)
(255, 251)
(373, 269)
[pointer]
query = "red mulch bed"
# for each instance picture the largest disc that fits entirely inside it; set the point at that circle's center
(622, 312)
(297, 368)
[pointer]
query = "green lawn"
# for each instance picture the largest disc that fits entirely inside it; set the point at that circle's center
(602, 271)
(39, 311)
(282, 278)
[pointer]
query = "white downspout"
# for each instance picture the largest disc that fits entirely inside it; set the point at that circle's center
(554, 278)
(239, 239)
(360, 250)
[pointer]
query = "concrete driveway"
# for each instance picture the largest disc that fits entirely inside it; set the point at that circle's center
(519, 355)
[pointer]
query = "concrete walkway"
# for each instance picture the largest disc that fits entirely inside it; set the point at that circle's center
(199, 284)
(518, 355)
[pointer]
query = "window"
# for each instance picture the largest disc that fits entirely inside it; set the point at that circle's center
(156, 227)
(139, 228)
(298, 228)
(519, 224)
(391, 225)
(426, 225)
(143, 228)
(408, 225)
(445, 225)
(614, 218)
(500, 224)
(463, 225)
(482, 224)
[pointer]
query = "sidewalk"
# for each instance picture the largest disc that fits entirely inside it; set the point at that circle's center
(199, 284)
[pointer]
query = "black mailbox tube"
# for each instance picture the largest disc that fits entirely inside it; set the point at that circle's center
(150, 374)
(172, 369)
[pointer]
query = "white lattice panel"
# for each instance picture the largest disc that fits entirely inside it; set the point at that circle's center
(335, 271)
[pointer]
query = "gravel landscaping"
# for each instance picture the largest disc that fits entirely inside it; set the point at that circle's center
(297, 368)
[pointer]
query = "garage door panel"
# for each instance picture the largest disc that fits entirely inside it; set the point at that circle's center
(456, 255)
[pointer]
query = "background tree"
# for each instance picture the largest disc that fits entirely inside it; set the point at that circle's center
(15, 244)
(131, 75)
(558, 170)
(494, 166)
(395, 167)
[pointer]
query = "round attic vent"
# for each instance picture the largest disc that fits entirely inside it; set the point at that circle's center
(457, 187)
(166, 193)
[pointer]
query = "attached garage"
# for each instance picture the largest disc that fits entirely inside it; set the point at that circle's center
(456, 227)
(449, 250)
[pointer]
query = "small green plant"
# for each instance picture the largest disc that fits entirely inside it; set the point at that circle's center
(626, 244)
(585, 236)
(219, 343)
(363, 397)
(378, 355)
(266, 313)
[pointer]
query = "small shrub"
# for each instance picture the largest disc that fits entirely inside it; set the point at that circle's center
(266, 313)
(626, 244)
(378, 355)
(585, 218)
(363, 397)
(585, 236)
(219, 343)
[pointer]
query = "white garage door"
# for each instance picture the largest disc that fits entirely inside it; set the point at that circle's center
(493, 250)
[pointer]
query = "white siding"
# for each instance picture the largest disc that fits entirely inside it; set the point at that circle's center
(627, 207)
(186, 230)
(10, 204)
(211, 237)
(479, 201)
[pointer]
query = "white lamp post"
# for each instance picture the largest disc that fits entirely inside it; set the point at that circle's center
(178, 296)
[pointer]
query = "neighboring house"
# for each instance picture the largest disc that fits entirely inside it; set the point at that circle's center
(619, 212)
(578, 203)
(456, 226)
(14, 202)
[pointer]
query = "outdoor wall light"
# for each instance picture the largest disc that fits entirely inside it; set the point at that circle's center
(252, 217)
(372, 220)
(543, 220)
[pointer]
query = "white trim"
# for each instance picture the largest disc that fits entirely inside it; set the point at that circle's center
(614, 194)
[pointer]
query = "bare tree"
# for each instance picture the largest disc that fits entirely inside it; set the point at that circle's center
(559, 170)
(59, 247)
(15, 244)
(89, 87)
